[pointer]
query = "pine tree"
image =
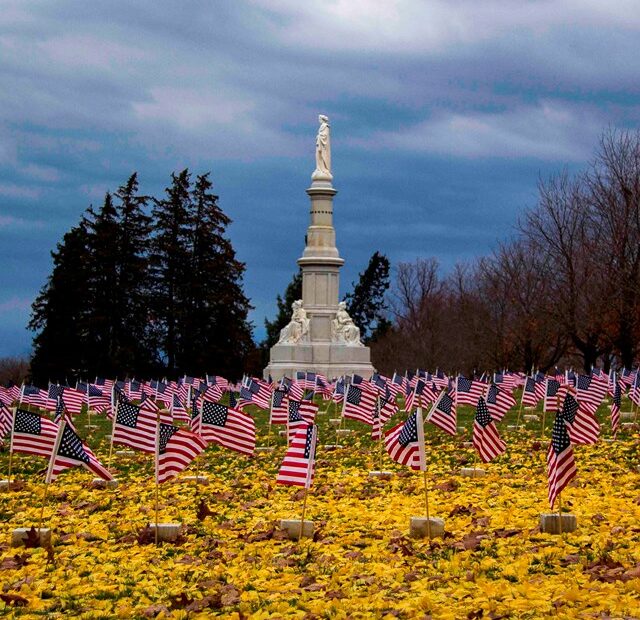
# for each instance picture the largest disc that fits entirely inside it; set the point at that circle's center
(215, 330)
(365, 303)
(171, 260)
(134, 350)
(292, 293)
(59, 313)
(100, 289)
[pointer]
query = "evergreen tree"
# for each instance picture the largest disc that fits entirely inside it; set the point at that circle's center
(292, 293)
(365, 303)
(59, 313)
(216, 334)
(171, 259)
(134, 350)
(100, 288)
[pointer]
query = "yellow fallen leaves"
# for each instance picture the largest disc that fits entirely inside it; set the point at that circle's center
(235, 563)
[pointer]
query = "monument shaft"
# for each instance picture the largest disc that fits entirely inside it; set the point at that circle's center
(321, 336)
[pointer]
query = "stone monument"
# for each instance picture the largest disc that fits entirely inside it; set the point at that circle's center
(321, 336)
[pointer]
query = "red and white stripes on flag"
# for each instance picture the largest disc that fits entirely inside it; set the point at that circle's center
(279, 407)
(298, 465)
(443, 414)
(405, 442)
(135, 427)
(360, 403)
(561, 466)
(468, 391)
(486, 439)
(590, 392)
(582, 426)
(6, 420)
(176, 448)
(33, 434)
(499, 402)
(615, 407)
(71, 451)
(228, 427)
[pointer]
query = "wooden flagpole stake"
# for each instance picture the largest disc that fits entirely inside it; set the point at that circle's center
(426, 502)
(519, 414)
(304, 510)
(113, 429)
(560, 512)
(157, 467)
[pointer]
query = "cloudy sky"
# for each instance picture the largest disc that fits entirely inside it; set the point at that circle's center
(444, 115)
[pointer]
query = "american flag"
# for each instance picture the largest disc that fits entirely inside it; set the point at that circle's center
(322, 387)
(279, 407)
(228, 427)
(441, 380)
(5, 396)
(338, 391)
(33, 434)
(33, 395)
(627, 376)
(388, 406)
(589, 393)
(397, 384)
(486, 439)
(561, 467)
(296, 420)
(256, 392)
(468, 392)
(98, 399)
(420, 396)
(360, 403)
(530, 396)
(551, 395)
(59, 412)
(634, 392)
(103, 383)
(72, 452)
(6, 420)
(405, 442)
(133, 390)
(176, 449)
(14, 392)
(582, 426)
(298, 466)
(135, 427)
(615, 407)
(296, 390)
(178, 409)
(214, 392)
(499, 402)
(443, 414)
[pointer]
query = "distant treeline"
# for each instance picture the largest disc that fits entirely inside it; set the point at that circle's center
(565, 289)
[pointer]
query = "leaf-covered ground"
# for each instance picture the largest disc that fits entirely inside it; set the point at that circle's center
(232, 560)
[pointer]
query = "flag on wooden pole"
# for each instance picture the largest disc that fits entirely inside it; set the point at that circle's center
(486, 439)
(561, 467)
(298, 465)
(405, 442)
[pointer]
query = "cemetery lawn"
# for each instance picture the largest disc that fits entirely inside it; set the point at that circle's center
(232, 560)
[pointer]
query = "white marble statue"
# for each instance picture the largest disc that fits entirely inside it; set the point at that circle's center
(298, 328)
(323, 151)
(343, 329)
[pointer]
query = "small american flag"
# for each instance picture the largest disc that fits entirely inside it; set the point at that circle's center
(443, 414)
(298, 465)
(6, 420)
(530, 396)
(486, 439)
(5, 396)
(360, 403)
(178, 410)
(589, 393)
(468, 392)
(582, 426)
(33, 434)
(420, 396)
(98, 399)
(135, 427)
(295, 420)
(552, 388)
(279, 407)
(176, 449)
(33, 395)
(228, 427)
(72, 452)
(405, 442)
(615, 407)
(255, 392)
(498, 402)
(561, 467)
